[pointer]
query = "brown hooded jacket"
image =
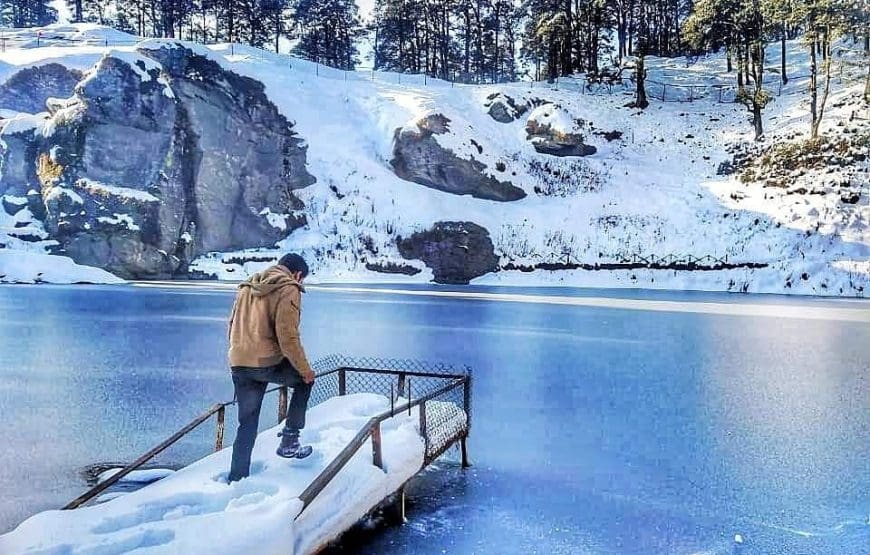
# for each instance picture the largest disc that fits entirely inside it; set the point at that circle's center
(264, 325)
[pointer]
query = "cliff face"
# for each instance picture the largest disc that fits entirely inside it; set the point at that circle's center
(158, 156)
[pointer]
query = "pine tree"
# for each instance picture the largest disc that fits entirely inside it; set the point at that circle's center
(742, 27)
(823, 22)
(328, 31)
(27, 13)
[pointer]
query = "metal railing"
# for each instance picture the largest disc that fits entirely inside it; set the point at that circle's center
(456, 388)
(409, 384)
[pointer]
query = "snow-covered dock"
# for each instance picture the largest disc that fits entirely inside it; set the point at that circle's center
(366, 447)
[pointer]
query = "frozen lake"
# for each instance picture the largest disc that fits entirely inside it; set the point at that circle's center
(633, 422)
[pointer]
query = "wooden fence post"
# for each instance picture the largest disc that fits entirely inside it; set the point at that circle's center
(377, 453)
(219, 430)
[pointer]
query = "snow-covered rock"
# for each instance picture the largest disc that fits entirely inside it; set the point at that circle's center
(457, 252)
(420, 157)
(28, 89)
(552, 130)
(158, 142)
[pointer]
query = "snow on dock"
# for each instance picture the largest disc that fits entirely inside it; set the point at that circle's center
(194, 510)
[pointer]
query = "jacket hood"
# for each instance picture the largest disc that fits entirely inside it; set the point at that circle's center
(270, 280)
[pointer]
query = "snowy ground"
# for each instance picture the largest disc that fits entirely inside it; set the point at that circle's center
(194, 510)
(24, 248)
(654, 191)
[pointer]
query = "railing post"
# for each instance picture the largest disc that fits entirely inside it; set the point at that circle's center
(342, 382)
(466, 399)
(424, 430)
(282, 403)
(401, 384)
(377, 454)
(396, 510)
(219, 430)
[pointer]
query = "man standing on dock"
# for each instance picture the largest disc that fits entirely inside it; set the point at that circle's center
(265, 347)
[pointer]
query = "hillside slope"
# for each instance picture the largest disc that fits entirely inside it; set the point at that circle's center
(523, 183)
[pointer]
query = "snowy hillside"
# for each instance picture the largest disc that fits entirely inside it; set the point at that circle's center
(532, 184)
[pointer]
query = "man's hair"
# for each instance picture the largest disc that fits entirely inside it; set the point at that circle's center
(294, 263)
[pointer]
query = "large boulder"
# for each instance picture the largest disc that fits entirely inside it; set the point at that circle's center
(457, 252)
(418, 157)
(159, 156)
(28, 89)
(552, 130)
(503, 108)
(247, 152)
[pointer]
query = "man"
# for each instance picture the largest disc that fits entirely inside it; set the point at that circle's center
(265, 348)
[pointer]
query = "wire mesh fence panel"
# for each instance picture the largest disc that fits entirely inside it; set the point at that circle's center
(445, 419)
(444, 412)
(325, 387)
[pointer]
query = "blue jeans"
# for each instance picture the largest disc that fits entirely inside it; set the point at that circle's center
(250, 386)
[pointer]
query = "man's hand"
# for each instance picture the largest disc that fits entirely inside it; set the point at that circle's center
(308, 377)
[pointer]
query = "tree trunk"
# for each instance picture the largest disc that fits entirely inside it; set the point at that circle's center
(756, 120)
(640, 77)
(230, 21)
(867, 86)
(277, 28)
(746, 67)
(782, 56)
(758, 77)
(828, 64)
(466, 63)
(621, 34)
(814, 128)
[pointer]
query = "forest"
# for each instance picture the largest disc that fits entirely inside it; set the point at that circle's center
(491, 41)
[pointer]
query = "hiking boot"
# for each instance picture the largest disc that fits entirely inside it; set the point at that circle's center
(290, 447)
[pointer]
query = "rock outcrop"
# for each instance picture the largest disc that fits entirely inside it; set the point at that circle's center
(159, 156)
(553, 131)
(28, 89)
(457, 252)
(503, 108)
(418, 157)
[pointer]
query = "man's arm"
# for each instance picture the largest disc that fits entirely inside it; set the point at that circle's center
(287, 329)
(232, 316)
